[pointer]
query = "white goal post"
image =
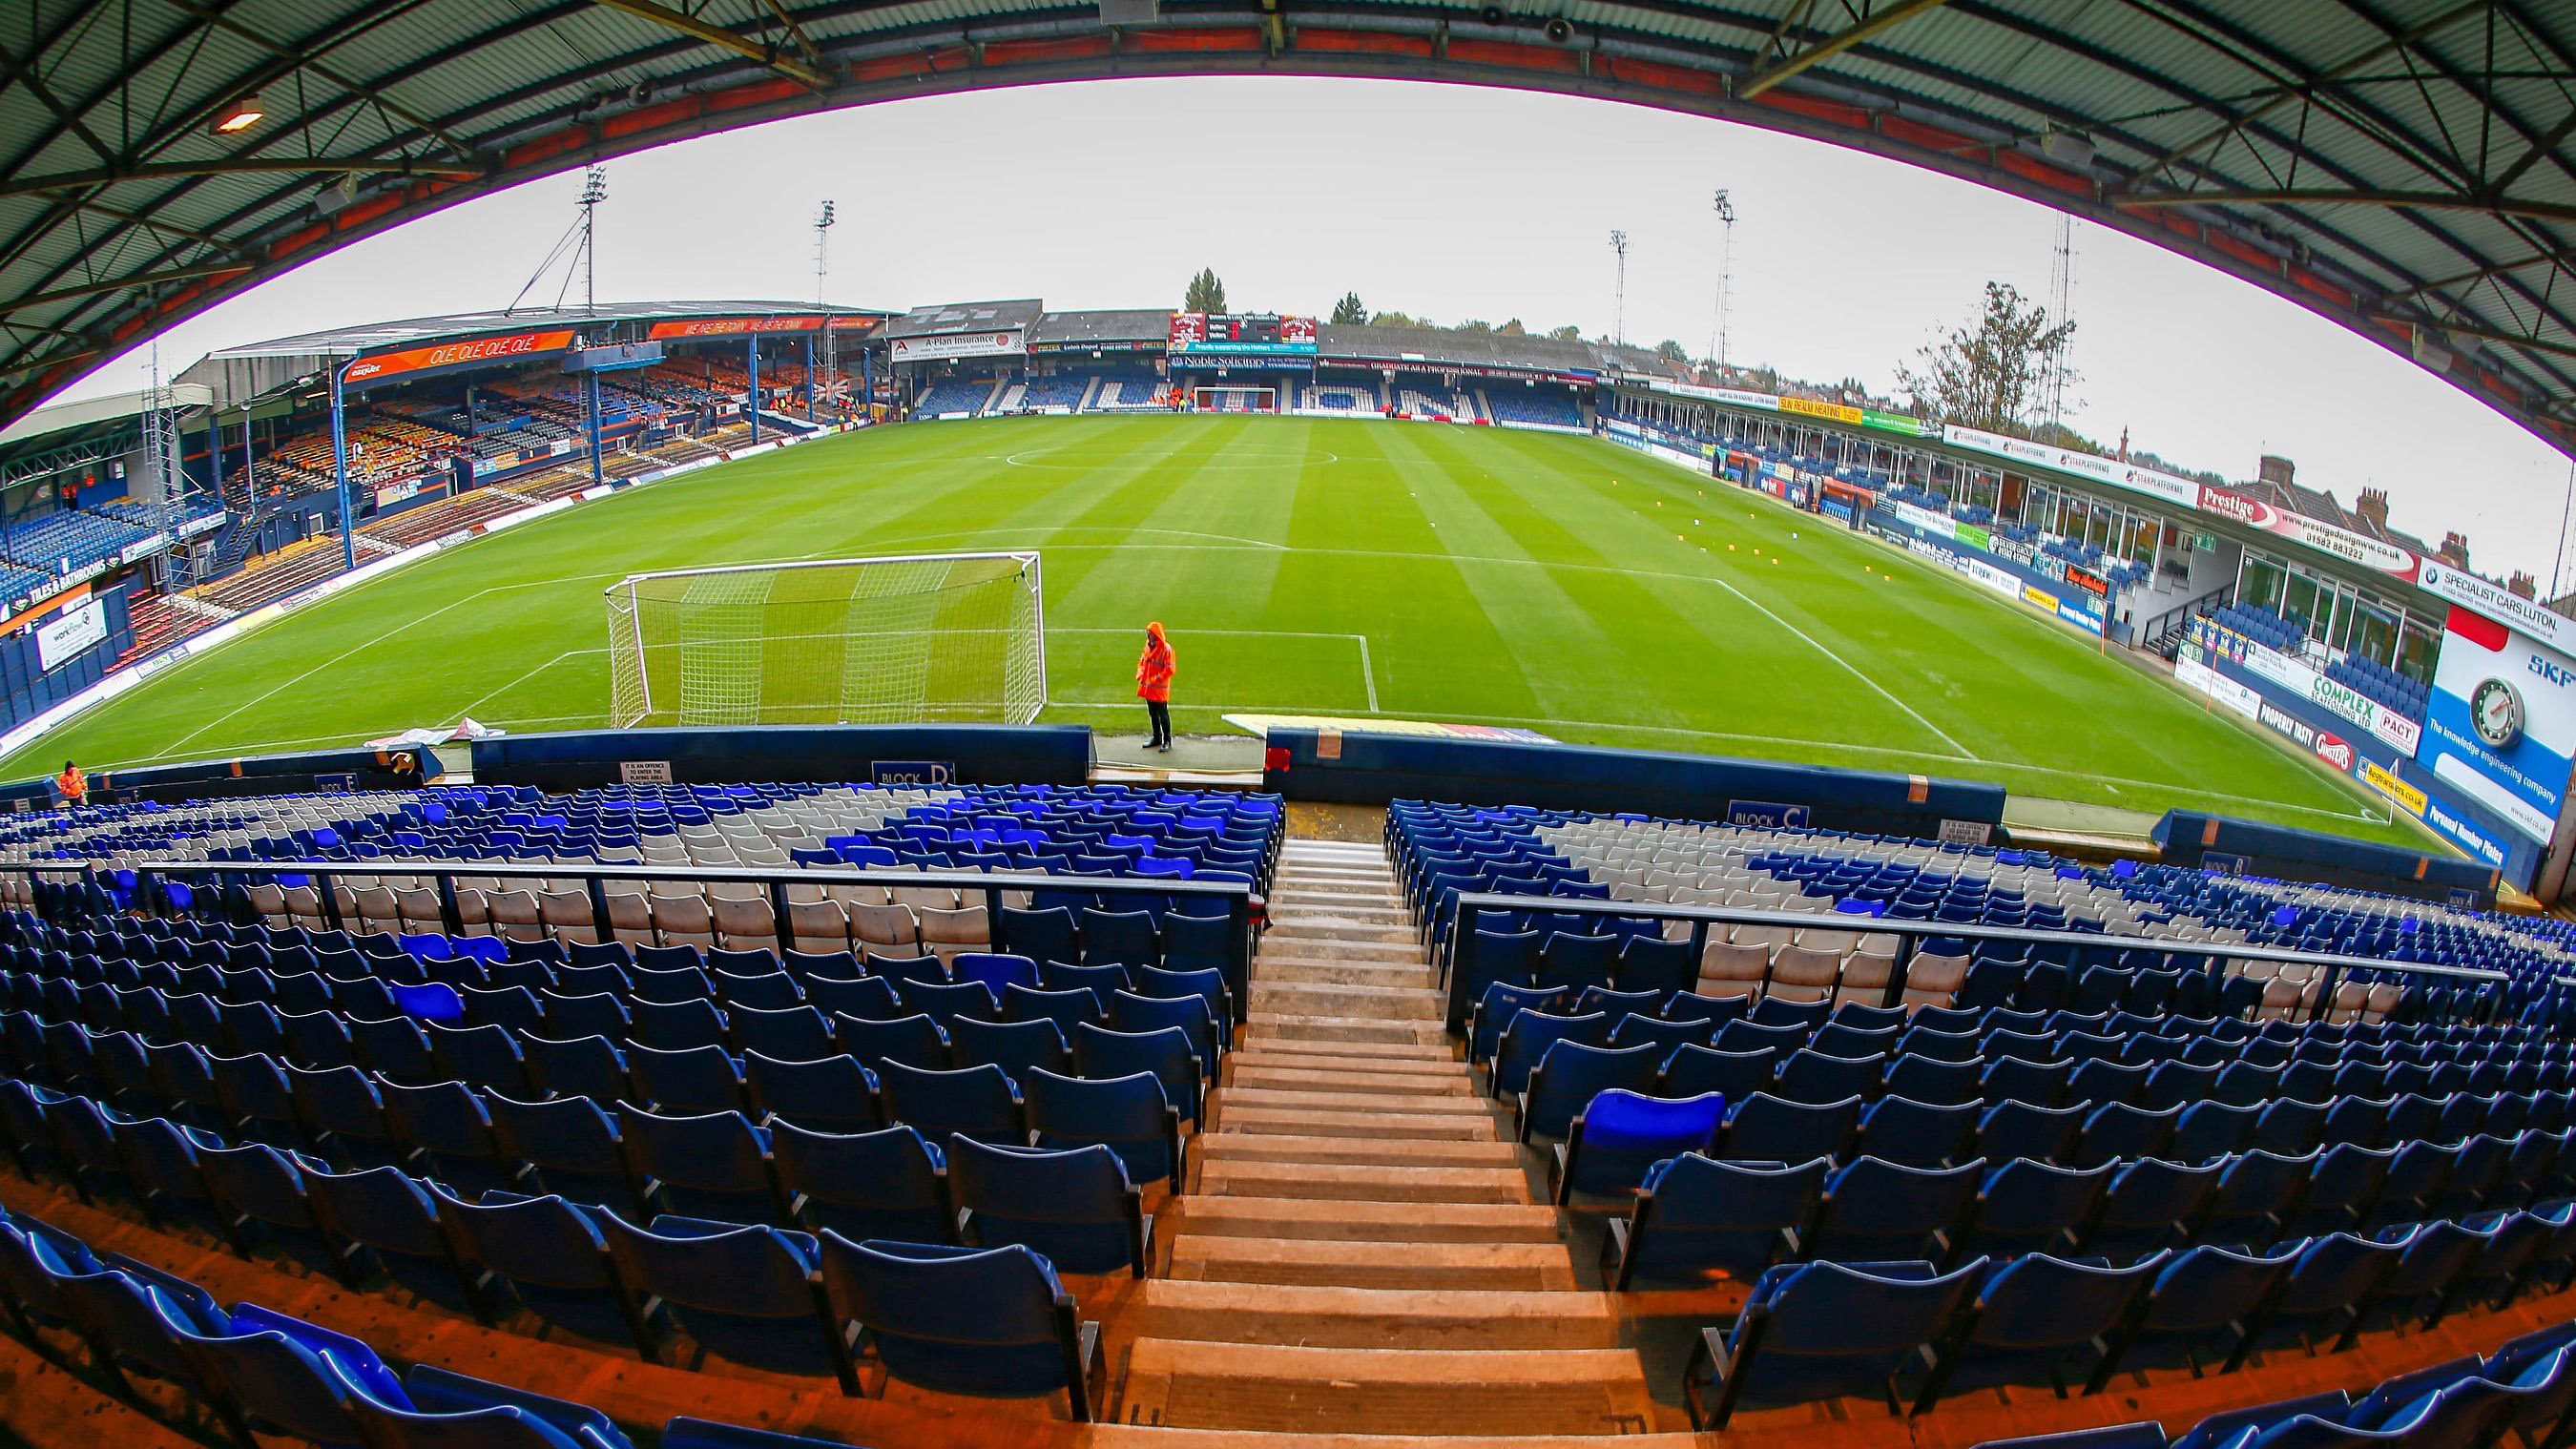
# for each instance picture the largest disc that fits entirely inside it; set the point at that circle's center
(931, 638)
(1243, 399)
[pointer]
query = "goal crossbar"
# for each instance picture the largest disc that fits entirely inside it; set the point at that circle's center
(902, 638)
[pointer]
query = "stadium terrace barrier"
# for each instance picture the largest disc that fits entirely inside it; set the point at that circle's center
(1465, 984)
(214, 779)
(2248, 847)
(874, 754)
(153, 877)
(1373, 769)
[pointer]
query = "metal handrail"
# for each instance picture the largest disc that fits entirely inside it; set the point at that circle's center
(1458, 948)
(595, 875)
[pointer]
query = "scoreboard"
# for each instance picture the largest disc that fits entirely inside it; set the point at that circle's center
(1241, 332)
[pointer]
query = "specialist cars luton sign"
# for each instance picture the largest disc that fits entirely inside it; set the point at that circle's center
(384, 365)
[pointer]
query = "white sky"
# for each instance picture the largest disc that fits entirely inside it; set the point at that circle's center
(1449, 203)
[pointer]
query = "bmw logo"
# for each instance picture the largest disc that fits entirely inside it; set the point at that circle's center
(2495, 711)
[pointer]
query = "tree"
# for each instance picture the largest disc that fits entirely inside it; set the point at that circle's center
(1987, 374)
(1396, 319)
(1567, 333)
(1350, 311)
(1671, 351)
(1512, 328)
(1475, 325)
(1205, 293)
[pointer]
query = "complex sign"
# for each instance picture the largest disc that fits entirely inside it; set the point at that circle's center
(2301, 680)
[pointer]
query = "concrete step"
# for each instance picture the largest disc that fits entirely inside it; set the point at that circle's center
(1300, 1120)
(1370, 1182)
(1356, 1151)
(1335, 926)
(1385, 1391)
(1361, 1221)
(1310, 946)
(1367, 1003)
(1329, 1079)
(1308, 1026)
(1403, 1051)
(1294, 905)
(1262, 1052)
(1337, 1317)
(1457, 1108)
(1397, 974)
(1529, 1267)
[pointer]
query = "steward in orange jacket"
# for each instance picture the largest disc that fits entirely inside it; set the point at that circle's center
(1154, 670)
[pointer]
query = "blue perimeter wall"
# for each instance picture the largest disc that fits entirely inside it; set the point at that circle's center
(889, 754)
(1374, 769)
(2247, 847)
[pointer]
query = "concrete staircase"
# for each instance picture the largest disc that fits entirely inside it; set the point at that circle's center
(1362, 1253)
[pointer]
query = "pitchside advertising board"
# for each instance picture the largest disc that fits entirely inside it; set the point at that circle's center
(2501, 728)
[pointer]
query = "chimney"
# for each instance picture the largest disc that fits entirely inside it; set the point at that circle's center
(2522, 585)
(2372, 508)
(2455, 550)
(2275, 469)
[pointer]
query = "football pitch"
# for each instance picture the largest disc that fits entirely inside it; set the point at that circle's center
(1356, 569)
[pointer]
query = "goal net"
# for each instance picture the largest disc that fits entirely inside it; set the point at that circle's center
(1235, 399)
(954, 637)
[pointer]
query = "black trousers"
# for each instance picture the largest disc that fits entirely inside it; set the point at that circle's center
(1161, 715)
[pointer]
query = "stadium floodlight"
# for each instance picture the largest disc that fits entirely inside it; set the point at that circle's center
(1725, 276)
(1619, 314)
(240, 116)
(945, 638)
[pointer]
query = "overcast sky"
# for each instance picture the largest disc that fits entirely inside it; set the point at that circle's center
(1453, 203)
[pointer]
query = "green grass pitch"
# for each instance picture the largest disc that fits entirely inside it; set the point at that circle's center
(1320, 567)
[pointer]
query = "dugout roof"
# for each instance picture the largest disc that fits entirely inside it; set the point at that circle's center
(944, 319)
(2398, 166)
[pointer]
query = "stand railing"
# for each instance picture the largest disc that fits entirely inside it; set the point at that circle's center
(230, 877)
(2163, 632)
(1464, 983)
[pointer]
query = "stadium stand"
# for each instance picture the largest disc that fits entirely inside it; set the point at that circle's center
(1127, 392)
(603, 1143)
(1340, 396)
(955, 395)
(1551, 408)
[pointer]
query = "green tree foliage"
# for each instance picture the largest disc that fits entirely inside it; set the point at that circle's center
(1671, 351)
(1205, 293)
(1987, 373)
(1397, 319)
(1350, 311)
(1567, 333)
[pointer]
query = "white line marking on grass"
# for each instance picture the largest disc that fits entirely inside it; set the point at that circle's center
(336, 659)
(1856, 671)
(524, 678)
(1368, 672)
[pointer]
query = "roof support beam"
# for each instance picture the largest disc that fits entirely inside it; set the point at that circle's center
(2331, 196)
(796, 32)
(1896, 12)
(239, 166)
(124, 284)
(723, 39)
(2486, 334)
(2462, 279)
(2235, 123)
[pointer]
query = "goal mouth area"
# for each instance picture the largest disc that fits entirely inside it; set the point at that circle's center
(1216, 399)
(930, 638)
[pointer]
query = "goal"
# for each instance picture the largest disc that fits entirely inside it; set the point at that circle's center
(930, 638)
(1235, 399)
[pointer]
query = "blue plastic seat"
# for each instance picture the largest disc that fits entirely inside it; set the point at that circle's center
(1129, 1012)
(1164, 1055)
(1619, 1135)
(1734, 1075)
(888, 1183)
(795, 1032)
(395, 1223)
(1879, 1211)
(676, 1025)
(979, 1102)
(1764, 1128)
(687, 1082)
(914, 1041)
(2150, 1205)
(716, 1165)
(1129, 1115)
(587, 1066)
(1812, 1331)
(827, 1094)
(1917, 1134)
(2033, 1207)
(1573, 1073)
(1696, 1216)
(992, 1322)
(574, 1146)
(1064, 1008)
(749, 1294)
(2035, 1319)
(1071, 1206)
(2332, 1285)
(551, 1259)
(1015, 1047)
(260, 1190)
(452, 1411)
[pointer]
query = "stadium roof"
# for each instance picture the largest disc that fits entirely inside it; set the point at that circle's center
(943, 318)
(1134, 324)
(2399, 166)
(376, 336)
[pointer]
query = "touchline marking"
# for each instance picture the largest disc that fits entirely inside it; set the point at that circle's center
(1856, 672)
(524, 678)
